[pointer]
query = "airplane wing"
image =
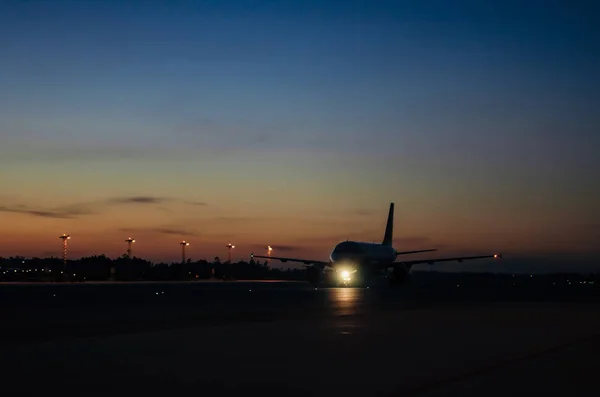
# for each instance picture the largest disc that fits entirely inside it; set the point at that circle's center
(413, 252)
(457, 259)
(304, 261)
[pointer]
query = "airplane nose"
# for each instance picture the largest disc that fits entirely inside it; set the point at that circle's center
(346, 251)
(335, 256)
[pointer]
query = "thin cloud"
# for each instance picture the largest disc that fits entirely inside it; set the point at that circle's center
(179, 232)
(38, 213)
(265, 219)
(148, 200)
(159, 230)
(138, 200)
(74, 211)
(64, 213)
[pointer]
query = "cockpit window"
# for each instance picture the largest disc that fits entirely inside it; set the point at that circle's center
(348, 247)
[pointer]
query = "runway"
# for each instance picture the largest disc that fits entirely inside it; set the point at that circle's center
(279, 339)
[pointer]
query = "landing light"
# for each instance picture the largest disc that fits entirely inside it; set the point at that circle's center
(345, 276)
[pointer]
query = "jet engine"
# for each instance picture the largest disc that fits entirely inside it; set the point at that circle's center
(313, 274)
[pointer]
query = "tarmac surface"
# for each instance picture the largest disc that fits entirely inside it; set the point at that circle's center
(289, 339)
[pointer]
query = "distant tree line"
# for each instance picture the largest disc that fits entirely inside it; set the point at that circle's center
(102, 268)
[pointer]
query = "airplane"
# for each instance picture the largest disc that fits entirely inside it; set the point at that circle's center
(355, 262)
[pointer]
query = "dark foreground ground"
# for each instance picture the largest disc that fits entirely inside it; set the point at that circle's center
(279, 339)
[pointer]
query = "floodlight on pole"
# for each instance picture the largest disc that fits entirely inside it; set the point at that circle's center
(183, 244)
(65, 237)
(229, 248)
(129, 242)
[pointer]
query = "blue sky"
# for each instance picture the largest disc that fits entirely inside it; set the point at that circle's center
(464, 111)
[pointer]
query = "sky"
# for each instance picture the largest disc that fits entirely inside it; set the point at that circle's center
(295, 123)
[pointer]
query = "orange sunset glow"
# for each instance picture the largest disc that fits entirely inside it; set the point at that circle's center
(301, 219)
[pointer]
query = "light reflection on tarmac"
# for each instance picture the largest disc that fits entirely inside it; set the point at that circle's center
(280, 340)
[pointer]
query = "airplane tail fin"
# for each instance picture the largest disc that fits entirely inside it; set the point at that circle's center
(389, 227)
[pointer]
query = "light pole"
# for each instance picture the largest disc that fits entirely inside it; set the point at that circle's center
(229, 248)
(183, 244)
(129, 242)
(65, 238)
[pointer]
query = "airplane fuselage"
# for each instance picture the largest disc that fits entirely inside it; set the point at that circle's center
(354, 254)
